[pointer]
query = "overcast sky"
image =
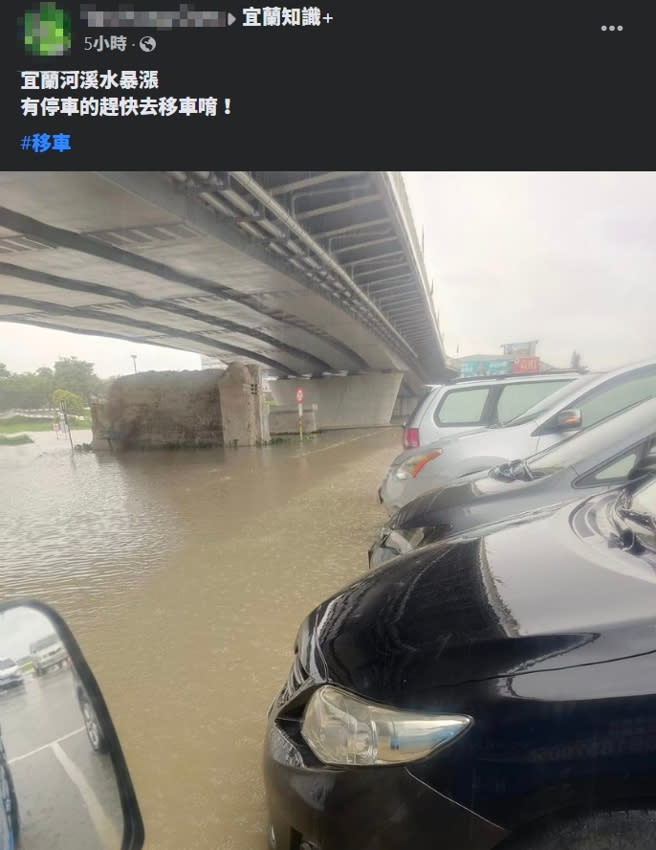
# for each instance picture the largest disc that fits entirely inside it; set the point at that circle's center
(568, 259)
(19, 627)
(24, 349)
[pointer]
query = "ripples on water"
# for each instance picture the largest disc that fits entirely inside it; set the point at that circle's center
(185, 576)
(78, 521)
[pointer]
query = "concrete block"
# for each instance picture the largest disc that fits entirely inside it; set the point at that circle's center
(157, 409)
(284, 420)
(350, 401)
(244, 413)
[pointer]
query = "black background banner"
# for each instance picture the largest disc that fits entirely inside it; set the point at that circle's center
(456, 86)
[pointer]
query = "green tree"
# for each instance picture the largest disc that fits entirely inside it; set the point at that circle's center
(34, 390)
(76, 376)
(74, 403)
(26, 391)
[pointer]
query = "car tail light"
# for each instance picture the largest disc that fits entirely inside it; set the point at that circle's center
(411, 438)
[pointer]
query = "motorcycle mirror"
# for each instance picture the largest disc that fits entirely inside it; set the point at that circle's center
(64, 782)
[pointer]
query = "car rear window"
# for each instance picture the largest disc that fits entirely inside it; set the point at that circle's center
(462, 407)
(410, 421)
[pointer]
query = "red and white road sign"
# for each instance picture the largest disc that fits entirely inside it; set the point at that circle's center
(300, 395)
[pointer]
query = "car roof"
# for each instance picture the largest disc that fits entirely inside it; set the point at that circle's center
(42, 641)
(512, 378)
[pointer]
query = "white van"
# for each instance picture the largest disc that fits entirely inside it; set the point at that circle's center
(47, 653)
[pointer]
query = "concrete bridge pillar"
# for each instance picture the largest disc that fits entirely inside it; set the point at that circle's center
(349, 401)
(243, 409)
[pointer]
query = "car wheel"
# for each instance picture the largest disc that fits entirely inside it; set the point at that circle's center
(10, 804)
(94, 733)
(15, 819)
(620, 830)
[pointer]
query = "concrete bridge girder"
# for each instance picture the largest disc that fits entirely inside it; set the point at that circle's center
(66, 263)
(291, 290)
(245, 274)
(199, 277)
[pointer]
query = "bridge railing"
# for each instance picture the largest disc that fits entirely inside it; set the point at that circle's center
(397, 184)
(404, 203)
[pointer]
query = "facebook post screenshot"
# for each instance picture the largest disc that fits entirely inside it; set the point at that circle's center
(327, 426)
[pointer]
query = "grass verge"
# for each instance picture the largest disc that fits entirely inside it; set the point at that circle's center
(18, 440)
(11, 426)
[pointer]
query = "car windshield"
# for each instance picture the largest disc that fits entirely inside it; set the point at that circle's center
(552, 401)
(6, 663)
(584, 445)
(44, 643)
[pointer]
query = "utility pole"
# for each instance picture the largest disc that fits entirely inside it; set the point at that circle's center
(62, 405)
(134, 360)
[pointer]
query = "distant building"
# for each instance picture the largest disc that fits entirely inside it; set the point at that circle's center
(520, 349)
(478, 365)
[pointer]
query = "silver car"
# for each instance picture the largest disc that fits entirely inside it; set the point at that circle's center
(473, 403)
(10, 674)
(579, 405)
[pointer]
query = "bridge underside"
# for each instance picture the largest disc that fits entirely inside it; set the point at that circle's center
(307, 273)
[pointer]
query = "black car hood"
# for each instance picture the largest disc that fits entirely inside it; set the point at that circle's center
(542, 595)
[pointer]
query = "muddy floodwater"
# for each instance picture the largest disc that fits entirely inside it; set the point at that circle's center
(185, 576)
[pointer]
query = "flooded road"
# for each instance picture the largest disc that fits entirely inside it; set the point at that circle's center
(185, 576)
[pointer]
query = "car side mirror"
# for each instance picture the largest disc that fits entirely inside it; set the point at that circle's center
(64, 781)
(567, 419)
(642, 470)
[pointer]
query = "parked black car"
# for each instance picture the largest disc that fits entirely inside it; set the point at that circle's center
(480, 690)
(591, 461)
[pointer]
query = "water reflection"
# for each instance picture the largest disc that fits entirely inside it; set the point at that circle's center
(79, 517)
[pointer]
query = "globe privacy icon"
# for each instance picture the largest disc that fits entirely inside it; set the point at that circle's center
(45, 30)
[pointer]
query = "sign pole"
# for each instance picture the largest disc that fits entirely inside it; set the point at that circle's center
(68, 427)
(300, 395)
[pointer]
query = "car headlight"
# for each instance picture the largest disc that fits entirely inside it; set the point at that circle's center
(341, 729)
(413, 465)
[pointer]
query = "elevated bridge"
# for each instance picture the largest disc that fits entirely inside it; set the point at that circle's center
(307, 273)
